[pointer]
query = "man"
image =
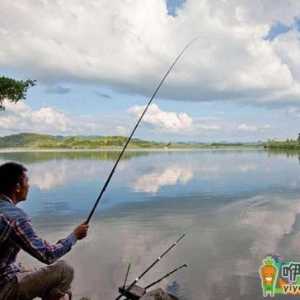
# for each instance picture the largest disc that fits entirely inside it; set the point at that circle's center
(16, 233)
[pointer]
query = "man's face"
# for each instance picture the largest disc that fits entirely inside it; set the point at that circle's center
(22, 188)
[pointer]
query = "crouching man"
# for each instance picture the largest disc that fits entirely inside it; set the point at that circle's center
(16, 233)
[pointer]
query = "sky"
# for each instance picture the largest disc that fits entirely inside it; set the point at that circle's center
(97, 62)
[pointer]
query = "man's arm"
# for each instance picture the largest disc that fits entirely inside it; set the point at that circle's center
(5, 228)
(26, 238)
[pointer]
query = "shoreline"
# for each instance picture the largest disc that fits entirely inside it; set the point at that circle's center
(114, 149)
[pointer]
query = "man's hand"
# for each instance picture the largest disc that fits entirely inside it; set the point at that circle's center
(81, 231)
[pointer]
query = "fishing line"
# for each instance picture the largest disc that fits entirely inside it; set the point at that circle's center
(135, 127)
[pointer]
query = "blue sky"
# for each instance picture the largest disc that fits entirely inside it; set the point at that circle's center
(240, 82)
(174, 5)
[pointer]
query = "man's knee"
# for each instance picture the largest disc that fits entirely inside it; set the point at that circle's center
(66, 271)
(50, 282)
(157, 294)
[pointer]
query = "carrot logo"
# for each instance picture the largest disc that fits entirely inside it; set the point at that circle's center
(268, 274)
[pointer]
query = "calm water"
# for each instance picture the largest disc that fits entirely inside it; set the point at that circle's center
(235, 206)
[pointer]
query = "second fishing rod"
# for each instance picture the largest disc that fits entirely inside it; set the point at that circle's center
(130, 286)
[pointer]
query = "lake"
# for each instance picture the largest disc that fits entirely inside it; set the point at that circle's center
(236, 206)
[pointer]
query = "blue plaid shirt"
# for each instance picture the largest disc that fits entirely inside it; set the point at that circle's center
(16, 233)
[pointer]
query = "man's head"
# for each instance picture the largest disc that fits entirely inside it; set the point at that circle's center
(14, 181)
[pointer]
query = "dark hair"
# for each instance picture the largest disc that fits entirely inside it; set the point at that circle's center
(10, 175)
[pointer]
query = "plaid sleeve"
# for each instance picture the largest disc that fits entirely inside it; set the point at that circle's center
(5, 229)
(28, 240)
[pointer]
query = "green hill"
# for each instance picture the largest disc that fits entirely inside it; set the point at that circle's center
(44, 141)
(32, 140)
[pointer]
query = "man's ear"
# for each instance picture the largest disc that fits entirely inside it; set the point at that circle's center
(18, 186)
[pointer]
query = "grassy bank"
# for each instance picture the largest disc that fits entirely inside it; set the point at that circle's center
(33, 142)
(283, 145)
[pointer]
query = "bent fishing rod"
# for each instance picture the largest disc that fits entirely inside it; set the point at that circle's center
(134, 129)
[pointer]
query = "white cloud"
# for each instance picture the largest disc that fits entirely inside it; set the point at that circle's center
(19, 117)
(170, 121)
(287, 46)
(121, 130)
(129, 44)
(293, 112)
(252, 128)
(202, 126)
(51, 117)
(245, 127)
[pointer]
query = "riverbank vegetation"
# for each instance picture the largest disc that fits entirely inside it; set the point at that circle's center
(44, 141)
(288, 144)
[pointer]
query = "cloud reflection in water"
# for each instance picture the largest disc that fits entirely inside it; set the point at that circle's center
(172, 175)
(235, 206)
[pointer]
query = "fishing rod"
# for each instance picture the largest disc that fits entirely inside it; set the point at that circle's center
(134, 129)
(151, 266)
(126, 276)
(138, 292)
(165, 276)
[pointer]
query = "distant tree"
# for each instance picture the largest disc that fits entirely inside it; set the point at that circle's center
(13, 90)
(298, 140)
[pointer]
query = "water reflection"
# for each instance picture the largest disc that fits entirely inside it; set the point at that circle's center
(224, 246)
(28, 157)
(55, 173)
(284, 152)
(236, 207)
(153, 181)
